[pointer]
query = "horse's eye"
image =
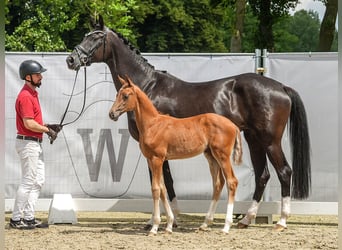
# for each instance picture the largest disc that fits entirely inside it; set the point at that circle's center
(125, 97)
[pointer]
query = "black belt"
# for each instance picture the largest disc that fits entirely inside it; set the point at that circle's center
(30, 138)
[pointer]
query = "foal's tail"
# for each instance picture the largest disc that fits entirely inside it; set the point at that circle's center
(237, 154)
(300, 146)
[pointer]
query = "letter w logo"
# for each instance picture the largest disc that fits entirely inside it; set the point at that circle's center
(105, 137)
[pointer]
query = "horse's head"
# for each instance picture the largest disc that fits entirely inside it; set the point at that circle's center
(125, 99)
(91, 49)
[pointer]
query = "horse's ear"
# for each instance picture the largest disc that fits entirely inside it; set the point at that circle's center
(130, 83)
(92, 22)
(97, 23)
(123, 82)
(101, 23)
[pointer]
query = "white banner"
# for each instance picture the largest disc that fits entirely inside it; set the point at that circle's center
(315, 77)
(96, 157)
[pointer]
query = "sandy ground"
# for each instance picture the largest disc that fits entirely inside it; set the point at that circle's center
(114, 230)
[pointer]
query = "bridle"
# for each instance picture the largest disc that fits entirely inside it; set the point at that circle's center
(89, 54)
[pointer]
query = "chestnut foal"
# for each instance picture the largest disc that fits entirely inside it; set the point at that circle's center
(162, 137)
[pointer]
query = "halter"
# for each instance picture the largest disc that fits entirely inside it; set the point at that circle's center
(80, 49)
(89, 54)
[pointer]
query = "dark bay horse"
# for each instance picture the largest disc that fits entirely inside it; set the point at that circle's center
(261, 107)
(163, 137)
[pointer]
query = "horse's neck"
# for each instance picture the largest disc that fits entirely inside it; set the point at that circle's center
(125, 61)
(145, 111)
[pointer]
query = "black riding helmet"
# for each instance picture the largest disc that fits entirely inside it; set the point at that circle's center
(30, 67)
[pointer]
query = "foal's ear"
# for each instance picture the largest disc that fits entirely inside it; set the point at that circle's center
(123, 81)
(130, 83)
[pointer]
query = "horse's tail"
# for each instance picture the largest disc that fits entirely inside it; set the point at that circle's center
(237, 154)
(300, 147)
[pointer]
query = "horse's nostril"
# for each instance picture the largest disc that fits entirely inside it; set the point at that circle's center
(70, 60)
(84, 60)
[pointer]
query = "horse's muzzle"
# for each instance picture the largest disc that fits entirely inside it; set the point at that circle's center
(114, 115)
(73, 62)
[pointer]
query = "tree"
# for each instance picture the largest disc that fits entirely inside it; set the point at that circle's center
(268, 12)
(181, 26)
(117, 14)
(297, 33)
(327, 31)
(38, 25)
(58, 25)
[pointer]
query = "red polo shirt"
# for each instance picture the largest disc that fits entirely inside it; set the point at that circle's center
(27, 106)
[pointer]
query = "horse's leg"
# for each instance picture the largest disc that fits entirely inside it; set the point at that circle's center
(284, 172)
(170, 191)
(132, 127)
(155, 165)
(262, 175)
(167, 207)
(226, 173)
(218, 182)
(232, 183)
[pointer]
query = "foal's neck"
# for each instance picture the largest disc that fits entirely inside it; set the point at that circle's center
(144, 111)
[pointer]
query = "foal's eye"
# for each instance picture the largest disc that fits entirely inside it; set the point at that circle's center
(125, 97)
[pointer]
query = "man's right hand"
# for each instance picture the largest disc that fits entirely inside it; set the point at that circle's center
(52, 134)
(55, 127)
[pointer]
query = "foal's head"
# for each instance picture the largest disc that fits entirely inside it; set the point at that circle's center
(125, 99)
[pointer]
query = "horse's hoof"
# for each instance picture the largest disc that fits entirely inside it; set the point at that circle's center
(152, 233)
(224, 231)
(168, 231)
(174, 225)
(241, 226)
(279, 228)
(147, 227)
(204, 228)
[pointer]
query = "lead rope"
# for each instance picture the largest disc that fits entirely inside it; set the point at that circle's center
(71, 95)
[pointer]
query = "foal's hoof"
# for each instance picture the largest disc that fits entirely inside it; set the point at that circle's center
(147, 227)
(204, 228)
(279, 228)
(241, 226)
(151, 233)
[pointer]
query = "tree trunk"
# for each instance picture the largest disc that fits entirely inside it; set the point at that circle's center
(327, 31)
(236, 40)
(265, 36)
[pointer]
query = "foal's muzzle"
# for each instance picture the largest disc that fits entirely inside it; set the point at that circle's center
(114, 115)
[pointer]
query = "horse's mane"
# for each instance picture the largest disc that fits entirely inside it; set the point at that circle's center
(135, 51)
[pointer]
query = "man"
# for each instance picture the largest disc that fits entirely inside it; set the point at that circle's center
(30, 129)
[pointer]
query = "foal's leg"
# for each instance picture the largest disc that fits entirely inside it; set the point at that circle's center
(156, 170)
(167, 207)
(284, 172)
(232, 183)
(168, 180)
(258, 157)
(218, 182)
(170, 191)
(223, 156)
(159, 191)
